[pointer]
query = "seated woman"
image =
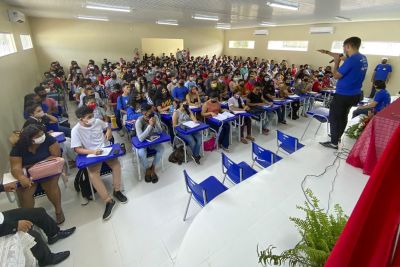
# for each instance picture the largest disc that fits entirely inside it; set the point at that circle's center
(193, 97)
(211, 108)
(37, 116)
(284, 92)
(163, 100)
(236, 103)
(381, 100)
(183, 114)
(133, 111)
(33, 146)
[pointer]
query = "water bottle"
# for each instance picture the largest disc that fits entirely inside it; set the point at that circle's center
(171, 109)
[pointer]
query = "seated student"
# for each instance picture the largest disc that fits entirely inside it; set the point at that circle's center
(133, 111)
(236, 103)
(33, 146)
(193, 97)
(122, 102)
(318, 84)
(381, 100)
(213, 88)
(49, 102)
(180, 92)
(22, 220)
(38, 117)
(88, 138)
(163, 101)
(211, 108)
(146, 126)
(183, 114)
(284, 92)
(88, 91)
(255, 101)
(98, 112)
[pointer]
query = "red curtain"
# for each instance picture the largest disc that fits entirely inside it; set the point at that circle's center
(368, 237)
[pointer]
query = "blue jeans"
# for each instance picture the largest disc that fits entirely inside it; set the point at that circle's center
(194, 142)
(142, 153)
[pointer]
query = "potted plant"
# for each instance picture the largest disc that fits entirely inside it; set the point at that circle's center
(319, 233)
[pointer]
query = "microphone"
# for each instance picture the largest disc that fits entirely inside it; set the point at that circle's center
(341, 55)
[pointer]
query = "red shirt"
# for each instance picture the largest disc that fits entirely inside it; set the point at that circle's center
(317, 86)
(113, 97)
(249, 87)
(294, 71)
(326, 82)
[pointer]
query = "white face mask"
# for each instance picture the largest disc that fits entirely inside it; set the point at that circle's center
(39, 140)
(91, 121)
(47, 90)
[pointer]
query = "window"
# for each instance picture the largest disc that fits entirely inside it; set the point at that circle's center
(242, 44)
(372, 48)
(7, 44)
(288, 45)
(26, 41)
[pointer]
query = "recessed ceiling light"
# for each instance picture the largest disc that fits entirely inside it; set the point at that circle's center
(168, 22)
(205, 17)
(223, 26)
(92, 18)
(267, 24)
(342, 18)
(108, 8)
(284, 5)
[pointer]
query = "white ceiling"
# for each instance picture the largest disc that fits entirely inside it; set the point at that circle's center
(240, 13)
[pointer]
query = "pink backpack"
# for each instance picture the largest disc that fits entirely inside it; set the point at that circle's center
(209, 145)
(46, 168)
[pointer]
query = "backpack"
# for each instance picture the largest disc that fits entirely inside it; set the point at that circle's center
(82, 184)
(177, 156)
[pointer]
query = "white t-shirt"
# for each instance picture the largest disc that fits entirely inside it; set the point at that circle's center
(89, 137)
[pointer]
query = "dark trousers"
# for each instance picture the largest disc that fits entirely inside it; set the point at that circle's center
(281, 113)
(338, 114)
(361, 111)
(41, 219)
(247, 124)
(373, 91)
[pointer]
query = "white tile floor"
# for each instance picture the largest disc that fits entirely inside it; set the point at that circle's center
(148, 230)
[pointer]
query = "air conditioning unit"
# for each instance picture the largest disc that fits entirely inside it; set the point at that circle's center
(322, 30)
(16, 16)
(260, 32)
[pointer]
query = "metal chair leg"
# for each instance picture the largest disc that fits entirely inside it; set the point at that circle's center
(308, 125)
(187, 207)
(223, 180)
(319, 126)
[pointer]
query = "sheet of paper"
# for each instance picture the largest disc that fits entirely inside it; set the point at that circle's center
(239, 111)
(192, 107)
(191, 124)
(294, 96)
(106, 152)
(55, 134)
(220, 117)
(228, 114)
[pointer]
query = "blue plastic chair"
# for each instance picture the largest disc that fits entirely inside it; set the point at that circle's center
(320, 114)
(262, 156)
(203, 192)
(236, 173)
(287, 143)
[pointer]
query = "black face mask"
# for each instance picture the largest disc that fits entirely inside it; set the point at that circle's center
(43, 96)
(113, 76)
(181, 84)
(185, 106)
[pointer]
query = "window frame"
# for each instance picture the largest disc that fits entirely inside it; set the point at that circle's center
(14, 47)
(283, 48)
(22, 42)
(253, 42)
(368, 52)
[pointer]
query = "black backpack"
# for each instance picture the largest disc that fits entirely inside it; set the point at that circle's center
(82, 184)
(177, 156)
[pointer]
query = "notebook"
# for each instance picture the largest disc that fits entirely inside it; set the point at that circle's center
(152, 138)
(191, 124)
(106, 152)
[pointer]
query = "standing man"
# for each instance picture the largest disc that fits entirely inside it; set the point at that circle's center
(382, 72)
(350, 77)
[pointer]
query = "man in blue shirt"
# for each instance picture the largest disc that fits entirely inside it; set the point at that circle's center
(350, 77)
(381, 72)
(381, 100)
(180, 91)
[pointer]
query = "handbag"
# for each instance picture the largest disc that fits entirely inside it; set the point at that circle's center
(209, 145)
(46, 168)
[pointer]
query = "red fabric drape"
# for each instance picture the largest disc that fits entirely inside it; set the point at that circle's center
(368, 237)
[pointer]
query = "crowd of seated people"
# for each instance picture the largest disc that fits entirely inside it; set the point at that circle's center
(138, 92)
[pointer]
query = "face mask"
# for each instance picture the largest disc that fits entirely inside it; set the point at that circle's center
(47, 90)
(40, 114)
(185, 106)
(213, 100)
(92, 105)
(91, 121)
(104, 73)
(237, 96)
(39, 140)
(214, 85)
(181, 84)
(168, 73)
(113, 76)
(174, 81)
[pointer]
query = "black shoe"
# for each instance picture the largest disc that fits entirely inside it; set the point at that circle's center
(283, 122)
(197, 159)
(61, 235)
(329, 145)
(56, 258)
(121, 198)
(109, 208)
(147, 177)
(154, 178)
